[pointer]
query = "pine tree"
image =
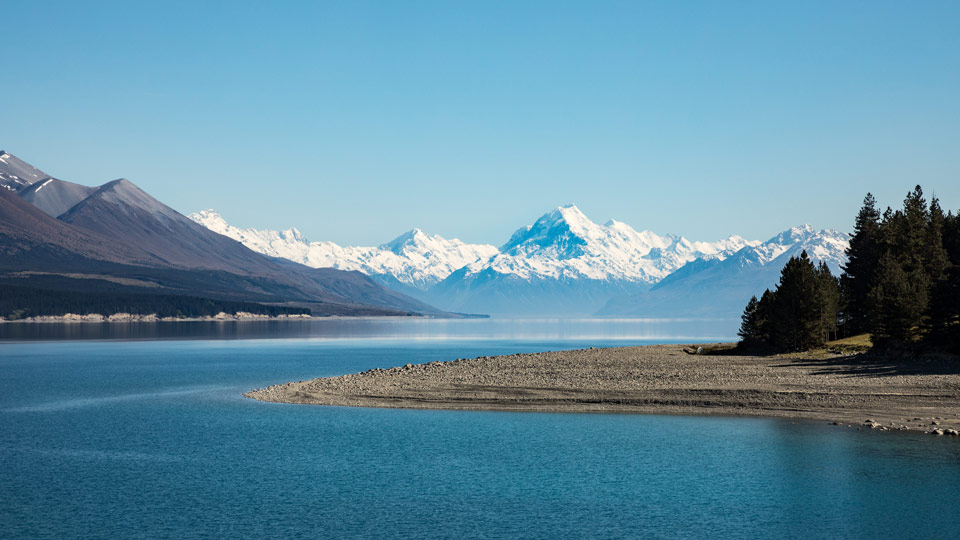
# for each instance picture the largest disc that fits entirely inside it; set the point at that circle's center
(945, 299)
(937, 260)
(795, 320)
(951, 237)
(749, 331)
(764, 316)
(945, 312)
(909, 240)
(862, 256)
(828, 301)
(896, 309)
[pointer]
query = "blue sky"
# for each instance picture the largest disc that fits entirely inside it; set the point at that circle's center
(355, 121)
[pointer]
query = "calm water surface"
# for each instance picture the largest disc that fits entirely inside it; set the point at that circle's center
(151, 438)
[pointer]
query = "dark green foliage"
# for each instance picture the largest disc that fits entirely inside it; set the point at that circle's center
(795, 321)
(936, 259)
(862, 257)
(764, 313)
(945, 312)
(20, 302)
(901, 284)
(755, 321)
(908, 292)
(951, 238)
(896, 303)
(800, 314)
(749, 323)
(828, 302)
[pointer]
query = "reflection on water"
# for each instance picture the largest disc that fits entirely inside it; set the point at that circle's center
(384, 328)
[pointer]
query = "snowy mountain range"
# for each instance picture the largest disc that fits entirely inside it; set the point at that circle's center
(411, 262)
(563, 264)
(720, 288)
(568, 265)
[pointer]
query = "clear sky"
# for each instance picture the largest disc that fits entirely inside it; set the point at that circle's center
(355, 121)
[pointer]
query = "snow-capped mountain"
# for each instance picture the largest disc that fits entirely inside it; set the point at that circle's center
(827, 245)
(563, 264)
(564, 243)
(16, 174)
(723, 287)
(566, 264)
(413, 260)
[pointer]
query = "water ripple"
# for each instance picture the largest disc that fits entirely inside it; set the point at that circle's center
(61, 405)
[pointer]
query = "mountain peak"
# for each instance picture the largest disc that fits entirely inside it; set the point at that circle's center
(414, 236)
(16, 174)
(124, 196)
(119, 184)
(571, 214)
(210, 214)
(55, 196)
(562, 230)
(803, 233)
(295, 234)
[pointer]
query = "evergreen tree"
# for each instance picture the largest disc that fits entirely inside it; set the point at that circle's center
(945, 300)
(909, 236)
(945, 312)
(755, 321)
(862, 255)
(951, 238)
(895, 304)
(749, 330)
(937, 259)
(764, 315)
(795, 321)
(828, 301)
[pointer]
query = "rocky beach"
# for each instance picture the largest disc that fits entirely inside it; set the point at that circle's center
(660, 379)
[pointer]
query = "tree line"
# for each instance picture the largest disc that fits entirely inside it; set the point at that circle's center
(901, 284)
(21, 302)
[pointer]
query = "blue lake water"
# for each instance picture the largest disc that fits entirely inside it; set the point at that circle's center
(150, 437)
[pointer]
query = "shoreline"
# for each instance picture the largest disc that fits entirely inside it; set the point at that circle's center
(658, 379)
(71, 318)
(151, 318)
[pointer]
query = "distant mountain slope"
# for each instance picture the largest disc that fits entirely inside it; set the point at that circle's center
(121, 237)
(413, 261)
(32, 240)
(55, 196)
(562, 264)
(16, 174)
(565, 264)
(357, 287)
(722, 288)
(122, 211)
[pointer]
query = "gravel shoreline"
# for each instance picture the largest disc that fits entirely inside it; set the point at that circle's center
(660, 379)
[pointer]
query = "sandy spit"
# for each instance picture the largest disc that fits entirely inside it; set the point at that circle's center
(661, 379)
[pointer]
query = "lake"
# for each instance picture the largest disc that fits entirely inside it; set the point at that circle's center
(131, 431)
